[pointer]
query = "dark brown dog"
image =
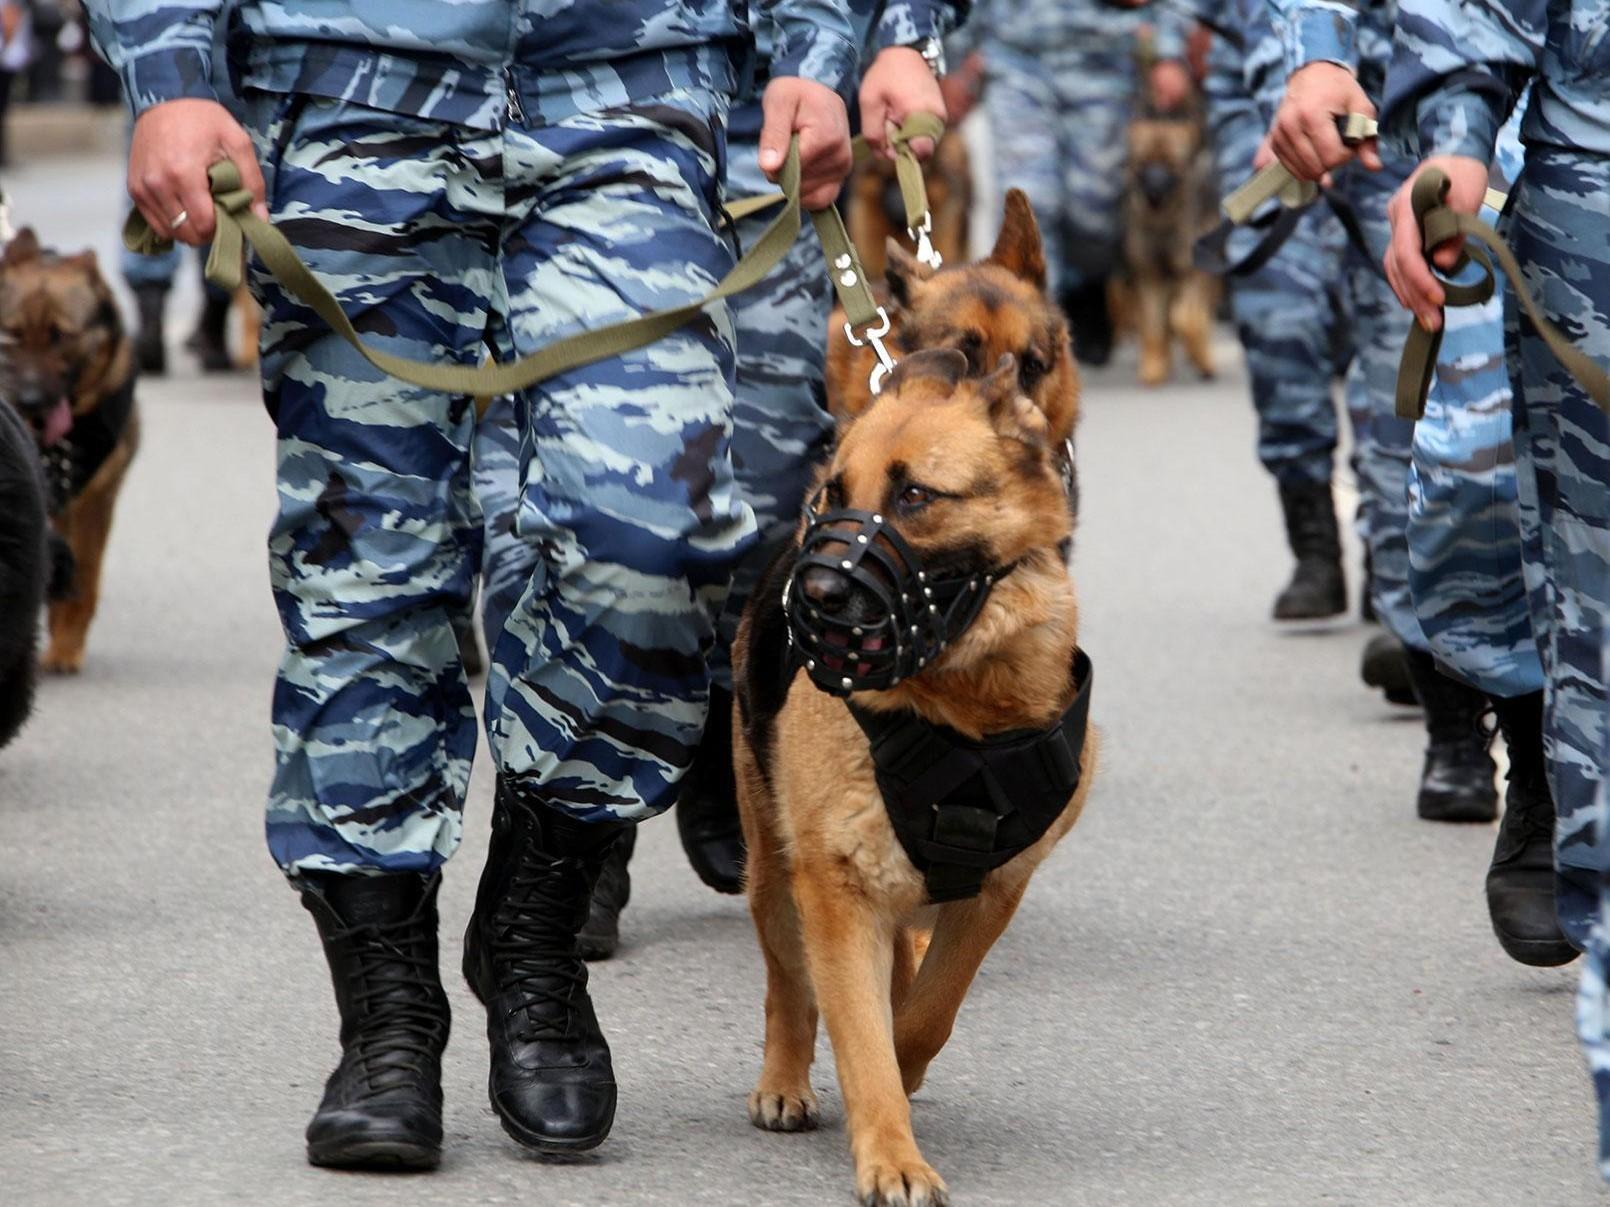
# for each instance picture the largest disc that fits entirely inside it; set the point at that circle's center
(67, 367)
(875, 213)
(1166, 205)
(967, 471)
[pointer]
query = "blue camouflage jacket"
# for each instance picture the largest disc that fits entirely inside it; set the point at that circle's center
(1053, 26)
(468, 61)
(1462, 65)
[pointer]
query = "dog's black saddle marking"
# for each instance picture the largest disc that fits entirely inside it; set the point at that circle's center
(72, 462)
(963, 808)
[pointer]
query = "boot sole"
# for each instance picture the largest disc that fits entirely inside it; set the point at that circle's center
(536, 1142)
(1308, 613)
(380, 1155)
(1537, 953)
(1463, 812)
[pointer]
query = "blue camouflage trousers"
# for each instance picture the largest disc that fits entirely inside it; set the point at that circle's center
(1289, 311)
(1058, 126)
(1560, 232)
(442, 242)
(781, 429)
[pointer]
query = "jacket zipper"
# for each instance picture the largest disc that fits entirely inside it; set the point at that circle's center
(512, 98)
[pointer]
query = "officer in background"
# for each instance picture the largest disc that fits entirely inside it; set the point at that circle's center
(467, 174)
(781, 427)
(1466, 65)
(1061, 81)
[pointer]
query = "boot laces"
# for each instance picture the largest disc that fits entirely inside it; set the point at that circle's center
(534, 948)
(396, 999)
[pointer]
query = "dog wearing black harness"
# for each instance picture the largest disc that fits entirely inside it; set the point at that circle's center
(911, 741)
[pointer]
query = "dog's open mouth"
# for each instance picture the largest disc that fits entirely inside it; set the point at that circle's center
(866, 645)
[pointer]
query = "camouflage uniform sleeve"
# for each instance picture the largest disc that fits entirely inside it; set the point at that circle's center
(813, 40)
(1458, 67)
(904, 22)
(1316, 31)
(161, 49)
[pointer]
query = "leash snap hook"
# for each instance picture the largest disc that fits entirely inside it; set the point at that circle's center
(874, 337)
(927, 253)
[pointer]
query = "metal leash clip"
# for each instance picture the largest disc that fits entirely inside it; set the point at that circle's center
(874, 336)
(927, 253)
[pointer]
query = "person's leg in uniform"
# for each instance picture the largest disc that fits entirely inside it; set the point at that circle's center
(1457, 782)
(598, 688)
(1286, 316)
(373, 553)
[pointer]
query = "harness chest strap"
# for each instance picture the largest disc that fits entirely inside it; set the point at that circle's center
(962, 808)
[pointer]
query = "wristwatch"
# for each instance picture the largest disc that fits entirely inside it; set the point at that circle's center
(932, 51)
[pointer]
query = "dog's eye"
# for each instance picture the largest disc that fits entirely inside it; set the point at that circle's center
(914, 497)
(1031, 371)
(971, 346)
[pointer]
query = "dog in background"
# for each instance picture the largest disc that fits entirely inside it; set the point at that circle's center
(67, 367)
(1168, 202)
(876, 215)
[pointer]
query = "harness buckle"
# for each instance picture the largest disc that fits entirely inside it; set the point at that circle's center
(874, 337)
(927, 253)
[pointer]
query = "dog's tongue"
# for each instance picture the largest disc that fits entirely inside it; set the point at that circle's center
(57, 424)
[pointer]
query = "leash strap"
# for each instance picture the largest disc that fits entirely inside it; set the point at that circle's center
(908, 172)
(1277, 181)
(237, 226)
(1438, 224)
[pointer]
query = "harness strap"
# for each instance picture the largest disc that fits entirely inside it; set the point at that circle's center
(1438, 224)
(237, 226)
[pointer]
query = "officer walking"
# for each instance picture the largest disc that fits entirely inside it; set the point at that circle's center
(480, 174)
(1470, 64)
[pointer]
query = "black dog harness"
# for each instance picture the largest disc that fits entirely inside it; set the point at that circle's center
(962, 808)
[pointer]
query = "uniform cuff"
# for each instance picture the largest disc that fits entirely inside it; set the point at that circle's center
(171, 74)
(907, 22)
(1320, 35)
(812, 53)
(1458, 122)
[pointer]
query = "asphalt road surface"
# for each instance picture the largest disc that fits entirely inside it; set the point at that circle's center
(1250, 976)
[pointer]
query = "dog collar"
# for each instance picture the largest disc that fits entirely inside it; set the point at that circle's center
(962, 808)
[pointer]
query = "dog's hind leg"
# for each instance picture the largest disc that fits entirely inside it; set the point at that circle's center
(963, 936)
(851, 954)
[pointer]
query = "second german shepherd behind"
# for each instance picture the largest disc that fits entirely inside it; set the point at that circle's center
(960, 480)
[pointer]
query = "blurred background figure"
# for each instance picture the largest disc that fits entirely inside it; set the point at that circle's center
(16, 52)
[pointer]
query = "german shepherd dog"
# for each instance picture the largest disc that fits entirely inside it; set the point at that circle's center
(948, 483)
(1167, 203)
(67, 367)
(875, 213)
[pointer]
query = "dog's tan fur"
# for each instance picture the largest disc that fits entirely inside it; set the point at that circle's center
(840, 910)
(873, 221)
(1163, 294)
(53, 315)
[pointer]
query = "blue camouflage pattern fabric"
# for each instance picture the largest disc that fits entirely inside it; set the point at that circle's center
(1466, 68)
(460, 62)
(1465, 555)
(1289, 313)
(1061, 82)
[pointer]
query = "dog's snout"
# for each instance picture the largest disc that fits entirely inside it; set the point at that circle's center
(1157, 181)
(827, 589)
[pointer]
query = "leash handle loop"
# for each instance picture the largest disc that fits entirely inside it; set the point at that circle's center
(1276, 180)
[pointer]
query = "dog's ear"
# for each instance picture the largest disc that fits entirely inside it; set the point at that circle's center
(1018, 248)
(1012, 413)
(945, 367)
(904, 272)
(24, 246)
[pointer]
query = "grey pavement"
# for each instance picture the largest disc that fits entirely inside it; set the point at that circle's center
(1250, 976)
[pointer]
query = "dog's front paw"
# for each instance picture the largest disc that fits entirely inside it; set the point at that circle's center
(893, 1183)
(62, 662)
(784, 1111)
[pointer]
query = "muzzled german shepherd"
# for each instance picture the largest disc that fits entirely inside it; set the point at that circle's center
(67, 367)
(911, 705)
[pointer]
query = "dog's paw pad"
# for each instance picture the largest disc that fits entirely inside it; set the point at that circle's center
(61, 664)
(901, 1184)
(786, 1112)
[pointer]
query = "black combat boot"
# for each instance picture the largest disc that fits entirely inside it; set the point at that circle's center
(210, 340)
(382, 1107)
(1520, 880)
(601, 936)
(150, 348)
(1089, 322)
(1457, 783)
(551, 1083)
(707, 810)
(1385, 665)
(1317, 588)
